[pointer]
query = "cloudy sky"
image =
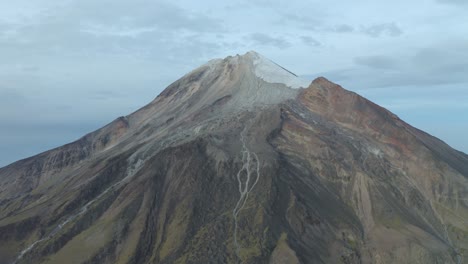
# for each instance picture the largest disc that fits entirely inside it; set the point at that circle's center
(69, 67)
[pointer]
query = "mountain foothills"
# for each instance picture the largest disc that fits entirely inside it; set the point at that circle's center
(241, 161)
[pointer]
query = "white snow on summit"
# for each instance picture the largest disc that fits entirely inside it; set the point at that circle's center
(273, 73)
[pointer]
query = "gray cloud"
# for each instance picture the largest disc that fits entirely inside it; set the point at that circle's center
(388, 29)
(11, 97)
(442, 63)
(310, 41)
(445, 58)
(142, 14)
(267, 40)
(110, 27)
(343, 28)
(306, 22)
(454, 2)
(29, 68)
(376, 62)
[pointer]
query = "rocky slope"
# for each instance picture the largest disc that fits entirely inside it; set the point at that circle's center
(240, 161)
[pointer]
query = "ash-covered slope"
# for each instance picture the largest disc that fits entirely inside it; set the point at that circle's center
(241, 161)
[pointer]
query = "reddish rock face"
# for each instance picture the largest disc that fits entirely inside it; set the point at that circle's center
(355, 112)
(231, 165)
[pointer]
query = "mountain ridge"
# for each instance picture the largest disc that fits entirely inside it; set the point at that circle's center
(225, 166)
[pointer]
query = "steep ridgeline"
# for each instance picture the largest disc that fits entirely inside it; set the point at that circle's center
(241, 161)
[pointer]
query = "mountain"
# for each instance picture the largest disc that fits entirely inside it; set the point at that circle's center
(241, 161)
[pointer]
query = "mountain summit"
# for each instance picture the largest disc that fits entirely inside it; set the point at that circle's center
(241, 161)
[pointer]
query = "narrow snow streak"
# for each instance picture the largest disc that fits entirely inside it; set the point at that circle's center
(131, 171)
(251, 168)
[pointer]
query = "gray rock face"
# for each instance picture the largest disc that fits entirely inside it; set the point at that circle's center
(235, 163)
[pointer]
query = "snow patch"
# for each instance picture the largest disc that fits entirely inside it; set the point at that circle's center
(197, 130)
(273, 73)
(374, 150)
